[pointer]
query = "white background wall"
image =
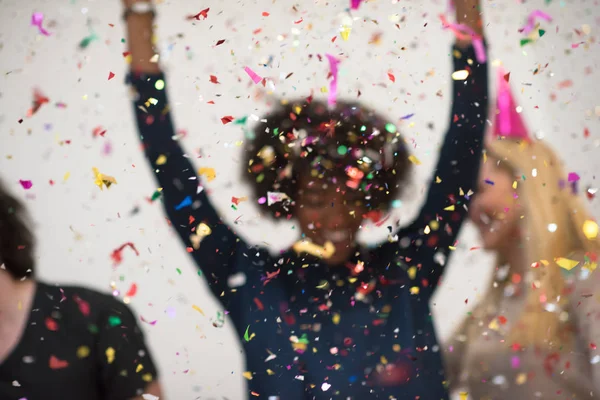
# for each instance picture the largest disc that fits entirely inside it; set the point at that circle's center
(78, 225)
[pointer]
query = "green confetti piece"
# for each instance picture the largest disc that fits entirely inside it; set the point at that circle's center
(391, 128)
(246, 335)
(86, 41)
(525, 41)
(113, 320)
(93, 328)
(342, 150)
(199, 273)
(241, 121)
(542, 32)
(178, 271)
(156, 195)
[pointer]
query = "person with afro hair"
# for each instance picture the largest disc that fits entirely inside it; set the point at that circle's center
(328, 318)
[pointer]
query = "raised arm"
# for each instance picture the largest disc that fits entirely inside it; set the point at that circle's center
(436, 227)
(184, 199)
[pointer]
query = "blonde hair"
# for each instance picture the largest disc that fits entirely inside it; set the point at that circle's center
(547, 198)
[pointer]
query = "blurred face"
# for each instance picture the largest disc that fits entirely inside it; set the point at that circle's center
(330, 213)
(495, 208)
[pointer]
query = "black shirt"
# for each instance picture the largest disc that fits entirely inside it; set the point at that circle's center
(77, 344)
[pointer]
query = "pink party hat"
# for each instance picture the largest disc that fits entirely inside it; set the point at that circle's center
(508, 122)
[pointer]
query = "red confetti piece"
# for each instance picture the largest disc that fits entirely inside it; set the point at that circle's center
(98, 131)
(51, 324)
(214, 79)
(507, 77)
(132, 290)
(83, 305)
(126, 53)
(26, 184)
(565, 84)
(38, 100)
(110, 76)
(220, 42)
(593, 346)
(586, 133)
(392, 77)
(502, 319)
(259, 304)
(226, 119)
(56, 363)
(117, 254)
(203, 14)
(265, 14)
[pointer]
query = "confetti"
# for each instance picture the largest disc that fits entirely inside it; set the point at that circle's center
(195, 307)
(414, 160)
(354, 4)
(26, 184)
(36, 20)
(117, 254)
(590, 229)
(209, 173)
(530, 26)
(83, 351)
(247, 336)
(306, 246)
(102, 180)
(110, 75)
(203, 14)
(460, 75)
(253, 75)
(566, 263)
(333, 70)
(38, 100)
(56, 363)
(227, 119)
(132, 290)
(184, 203)
(110, 355)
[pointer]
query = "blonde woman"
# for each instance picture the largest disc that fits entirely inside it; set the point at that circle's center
(534, 332)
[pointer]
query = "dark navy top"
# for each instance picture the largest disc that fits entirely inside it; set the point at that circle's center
(312, 331)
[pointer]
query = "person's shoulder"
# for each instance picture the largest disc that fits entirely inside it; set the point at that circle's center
(81, 300)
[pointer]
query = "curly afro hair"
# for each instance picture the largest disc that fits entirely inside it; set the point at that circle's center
(16, 239)
(349, 143)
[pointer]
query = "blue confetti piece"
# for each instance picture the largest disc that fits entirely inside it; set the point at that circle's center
(408, 116)
(489, 182)
(186, 202)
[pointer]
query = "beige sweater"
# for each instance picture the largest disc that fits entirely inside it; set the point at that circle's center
(488, 369)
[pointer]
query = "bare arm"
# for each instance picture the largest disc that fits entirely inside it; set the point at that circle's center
(468, 12)
(140, 40)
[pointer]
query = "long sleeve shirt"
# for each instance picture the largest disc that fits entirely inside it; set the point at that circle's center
(312, 331)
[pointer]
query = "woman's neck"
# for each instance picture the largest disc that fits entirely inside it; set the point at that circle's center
(16, 297)
(513, 255)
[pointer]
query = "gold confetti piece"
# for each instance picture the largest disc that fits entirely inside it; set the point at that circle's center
(110, 355)
(247, 375)
(139, 368)
(83, 351)
(383, 360)
(208, 172)
(438, 179)
(412, 272)
(414, 290)
(324, 89)
(346, 32)
(460, 75)
(414, 160)
(514, 185)
(449, 208)
(66, 176)
(493, 325)
(161, 160)
(202, 231)
(397, 348)
(590, 229)
(147, 377)
(336, 319)
(195, 307)
(427, 230)
(306, 246)
(566, 263)
(270, 372)
(150, 101)
(451, 247)
(521, 378)
(463, 395)
(102, 180)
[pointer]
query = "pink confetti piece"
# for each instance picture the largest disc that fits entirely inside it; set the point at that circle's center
(354, 4)
(333, 69)
(26, 184)
(117, 254)
(537, 14)
(36, 20)
(573, 177)
(148, 322)
(253, 75)
(462, 31)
